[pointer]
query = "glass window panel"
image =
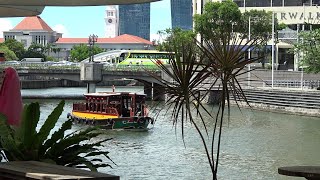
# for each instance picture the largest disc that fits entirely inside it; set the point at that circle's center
(258, 3)
(277, 2)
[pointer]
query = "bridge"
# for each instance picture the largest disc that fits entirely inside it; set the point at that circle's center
(72, 73)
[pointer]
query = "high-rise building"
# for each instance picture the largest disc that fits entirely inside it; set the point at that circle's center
(135, 20)
(181, 14)
(112, 21)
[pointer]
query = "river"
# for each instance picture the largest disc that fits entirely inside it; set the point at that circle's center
(254, 144)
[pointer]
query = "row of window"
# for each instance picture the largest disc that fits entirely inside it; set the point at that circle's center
(149, 56)
(40, 40)
(259, 3)
(9, 37)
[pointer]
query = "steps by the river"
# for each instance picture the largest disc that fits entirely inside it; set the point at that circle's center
(301, 102)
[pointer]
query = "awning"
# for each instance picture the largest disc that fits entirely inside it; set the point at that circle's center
(70, 2)
(18, 11)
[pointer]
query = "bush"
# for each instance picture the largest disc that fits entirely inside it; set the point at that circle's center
(25, 143)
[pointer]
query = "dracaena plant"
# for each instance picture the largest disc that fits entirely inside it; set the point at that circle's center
(25, 143)
(219, 60)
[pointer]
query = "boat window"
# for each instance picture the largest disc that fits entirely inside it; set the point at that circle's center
(104, 106)
(98, 102)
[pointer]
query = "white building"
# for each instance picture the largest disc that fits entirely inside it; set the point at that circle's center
(294, 13)
(112, 21)
(32, 30)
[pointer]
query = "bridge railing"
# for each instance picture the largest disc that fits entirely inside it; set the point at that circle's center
(77, 67)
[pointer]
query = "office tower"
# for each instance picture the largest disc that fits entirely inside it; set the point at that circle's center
(181, 14)
(112, 21)
(135, 20)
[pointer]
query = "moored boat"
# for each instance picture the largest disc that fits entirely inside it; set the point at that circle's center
(113, 110)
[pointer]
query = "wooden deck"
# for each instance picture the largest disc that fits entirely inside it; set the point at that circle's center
(20, 170)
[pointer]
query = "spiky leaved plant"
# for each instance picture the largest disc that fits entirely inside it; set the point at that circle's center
(219, 58)
(25, 143)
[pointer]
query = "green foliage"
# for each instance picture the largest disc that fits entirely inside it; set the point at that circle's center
(308, 49)
(260, 24)
(35, 51)
(281, 26)
(225, 17)
(175, 37)
(219, 18)
(8, 54)
(50, 58)
(82, 51)
(25, 143)
(16, 47)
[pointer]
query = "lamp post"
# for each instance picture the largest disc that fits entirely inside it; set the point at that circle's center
(272, 53)
(249, 53)
(249, 50)
(92, 39)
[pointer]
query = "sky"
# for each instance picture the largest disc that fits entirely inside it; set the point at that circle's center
(82, 21)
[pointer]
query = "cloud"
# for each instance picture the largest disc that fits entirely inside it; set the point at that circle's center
(5, 25)
(61, 29)
(157, 37)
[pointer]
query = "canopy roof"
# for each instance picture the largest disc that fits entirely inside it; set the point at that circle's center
(18, 11)
(70, 2)
(18, 8)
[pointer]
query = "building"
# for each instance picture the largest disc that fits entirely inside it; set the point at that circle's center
(135, 20)
(32, 30)
(122, 42)
(112, 21)
(181, 14)
(298, 15)
(35, 30)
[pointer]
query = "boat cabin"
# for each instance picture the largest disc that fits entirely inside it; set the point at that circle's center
(122, 104)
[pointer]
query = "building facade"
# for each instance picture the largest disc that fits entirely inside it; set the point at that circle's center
(135, 20)
(34, 30)
(298, 15)
(181, 14)
(112, 21)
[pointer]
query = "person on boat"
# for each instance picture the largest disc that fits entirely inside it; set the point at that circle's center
(10, 96)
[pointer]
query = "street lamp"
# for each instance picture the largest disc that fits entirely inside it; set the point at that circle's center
(272, 53)
(92, 39)
(249, 50)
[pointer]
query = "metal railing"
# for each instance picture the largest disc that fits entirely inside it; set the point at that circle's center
(306, 84)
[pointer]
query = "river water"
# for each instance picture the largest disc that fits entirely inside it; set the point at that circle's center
(254, 144)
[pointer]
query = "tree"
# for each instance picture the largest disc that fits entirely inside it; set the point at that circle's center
(48, 48)
(260, 28)
(217, 18)
(175, 37)
(56, 50)
(8, 54)
(82, 51)
(35, 51)
(221, 61)
(16, 47)
(308, 49)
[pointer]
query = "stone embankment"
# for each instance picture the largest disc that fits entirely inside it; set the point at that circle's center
(293, 101)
